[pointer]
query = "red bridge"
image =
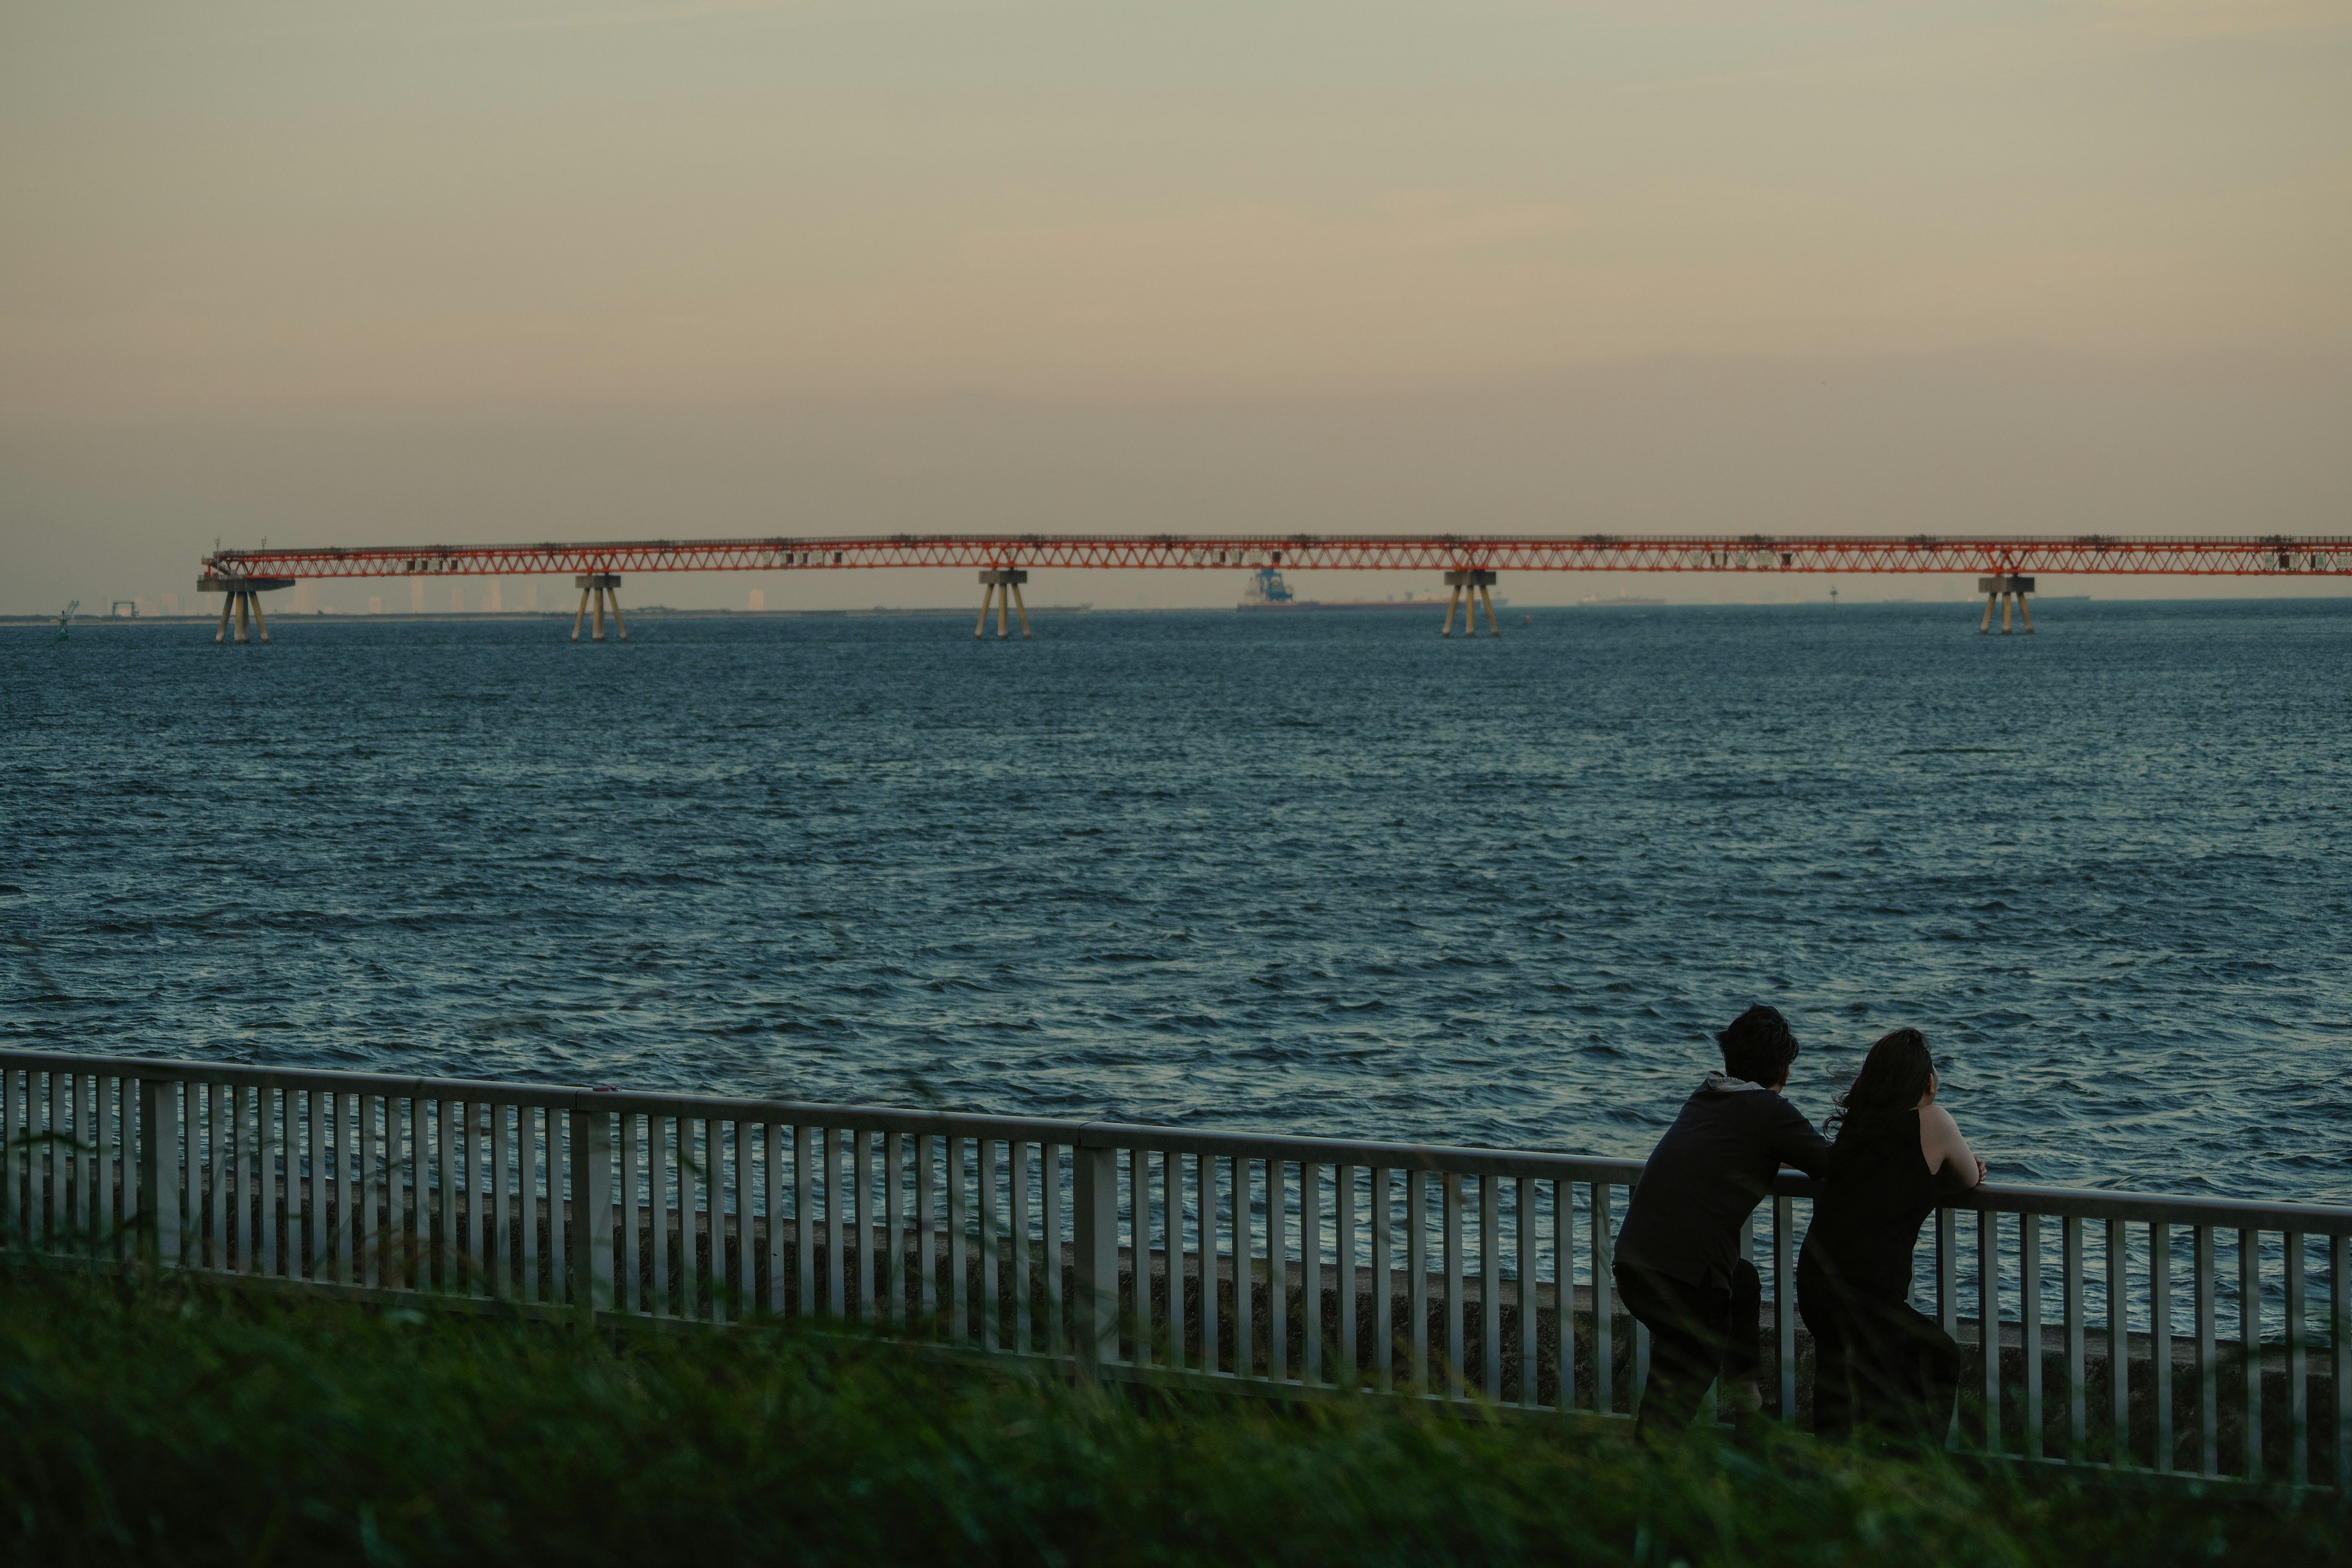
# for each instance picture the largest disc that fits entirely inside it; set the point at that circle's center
(2005, 564)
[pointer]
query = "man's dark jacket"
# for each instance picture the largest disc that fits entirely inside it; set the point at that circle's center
(1706, 1175)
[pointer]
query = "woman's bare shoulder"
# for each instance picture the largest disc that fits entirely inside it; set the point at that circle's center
(1939, 1134)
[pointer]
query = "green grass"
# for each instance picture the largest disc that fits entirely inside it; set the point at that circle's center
(163, 1422)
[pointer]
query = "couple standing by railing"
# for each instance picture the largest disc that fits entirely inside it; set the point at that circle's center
(1879, 1365)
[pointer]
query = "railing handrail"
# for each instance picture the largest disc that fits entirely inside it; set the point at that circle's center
(1038, 1235)
(2087, 1203)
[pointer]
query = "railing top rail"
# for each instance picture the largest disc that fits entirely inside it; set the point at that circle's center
(2314, 1219)
(564, 1096)
(1461, 1159)
(2172, 1208)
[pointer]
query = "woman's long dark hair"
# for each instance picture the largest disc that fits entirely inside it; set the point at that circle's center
(1892, 1077)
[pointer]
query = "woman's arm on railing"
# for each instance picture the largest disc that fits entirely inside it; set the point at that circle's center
(1947, 1152)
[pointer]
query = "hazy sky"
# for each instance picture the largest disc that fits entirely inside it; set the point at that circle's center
(344, 273)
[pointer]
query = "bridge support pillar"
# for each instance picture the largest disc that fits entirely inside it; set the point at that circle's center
(1001, 587)
(2008, 592)
(604, 588)
(242, 609)
(1469, 588)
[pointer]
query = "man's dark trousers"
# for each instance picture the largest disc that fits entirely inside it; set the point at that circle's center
(1697, 1334)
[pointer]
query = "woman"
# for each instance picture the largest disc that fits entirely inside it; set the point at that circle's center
(1877, 1363)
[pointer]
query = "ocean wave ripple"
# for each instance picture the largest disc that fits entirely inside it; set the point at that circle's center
(1302, 871)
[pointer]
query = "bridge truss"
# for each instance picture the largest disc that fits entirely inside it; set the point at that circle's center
(1998, 554)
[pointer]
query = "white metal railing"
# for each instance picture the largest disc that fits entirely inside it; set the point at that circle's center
(1236, 1260)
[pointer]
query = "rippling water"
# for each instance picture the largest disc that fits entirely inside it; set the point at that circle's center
(1310, 872)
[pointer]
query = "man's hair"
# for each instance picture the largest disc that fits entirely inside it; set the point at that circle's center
(1758, 1045)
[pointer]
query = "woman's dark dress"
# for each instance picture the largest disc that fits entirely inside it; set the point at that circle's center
(1877, 1363)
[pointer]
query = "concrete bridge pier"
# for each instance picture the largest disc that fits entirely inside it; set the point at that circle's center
(242, 609)
(2006, 592)
(1469, 588)
(1002, 588)
(605, 588)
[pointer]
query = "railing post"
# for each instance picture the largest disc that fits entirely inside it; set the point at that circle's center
(1604, 1349)
(1382, 1326)
(2209, 1415)
(861, 1227)
(1057, 1316)
(2077, 1412)
(1205, 1171)
(1416, 1262)
(592, 1212)
(831, 1144)
(2339, 1301)
(1784, 1301)
(350, 1232)
(159, 1168)
(691, 1175)
(806, 1157)
(1563, 1273)
(320, 1109)
(1988, 1322)
(894, 1233)
(2298, 1368)
(1096, 1211)
(2029, 1325)
(2119, 1341)
(1449, 1195)
(1172, 1170)
(2250, 1344)
(1245, 1291)
(369, 1237)
(1525, 1196)
(958, 1227)
(290, 1182)
(2159, 1337)
(926, 1228)
(445, 1126)
(10, 1184)
(1947, 1298)
(559, 1254)
(1139, 1188)
(1490, 1286)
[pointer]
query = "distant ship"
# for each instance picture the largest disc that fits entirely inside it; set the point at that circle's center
(1267, 590)
(1596, 601)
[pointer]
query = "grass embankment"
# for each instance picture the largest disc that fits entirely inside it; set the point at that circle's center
(163, 1422)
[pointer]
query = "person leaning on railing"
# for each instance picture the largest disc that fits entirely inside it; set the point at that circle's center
(1678, 1266)
(1879, 1365)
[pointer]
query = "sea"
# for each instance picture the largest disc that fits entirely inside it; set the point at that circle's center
(1309, 872)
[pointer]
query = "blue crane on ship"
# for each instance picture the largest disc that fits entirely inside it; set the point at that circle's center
(1269, 588)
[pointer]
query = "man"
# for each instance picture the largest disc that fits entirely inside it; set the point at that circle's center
(1678, 1266)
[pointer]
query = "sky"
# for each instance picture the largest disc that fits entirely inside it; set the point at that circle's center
(338, 273)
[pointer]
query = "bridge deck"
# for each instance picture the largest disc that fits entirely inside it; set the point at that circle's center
(2099, 554)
